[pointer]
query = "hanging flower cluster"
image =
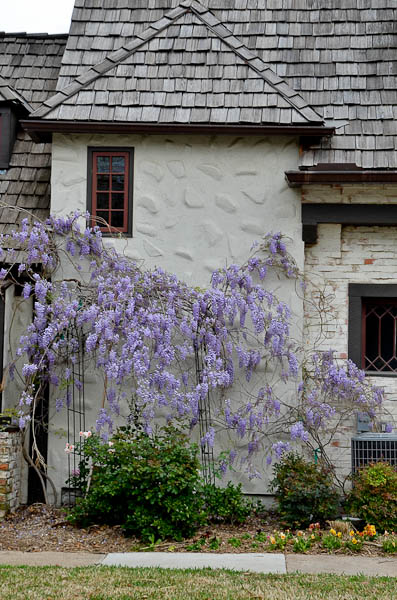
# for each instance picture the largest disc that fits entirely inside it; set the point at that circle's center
(160, 343)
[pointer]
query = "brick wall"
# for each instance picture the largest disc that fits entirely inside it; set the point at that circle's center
(10, 471)
(343, 255)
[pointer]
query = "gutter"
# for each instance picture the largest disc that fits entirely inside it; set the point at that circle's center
(42, 130)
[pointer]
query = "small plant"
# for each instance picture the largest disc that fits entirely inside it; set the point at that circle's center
(332, 540)
(261, 537)
(315, 531)
(279, 540)
(354, 544)
(302, 544)
(369, 532)
(153, 542)
(235, 542)
(374, 496)
(197, 545)
(214, 543)
(389, 544)
(226, 504)
(304, 491)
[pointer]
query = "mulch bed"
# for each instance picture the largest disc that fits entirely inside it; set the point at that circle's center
(39, 528)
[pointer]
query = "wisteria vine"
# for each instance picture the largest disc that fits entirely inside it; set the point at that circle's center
(145, 330)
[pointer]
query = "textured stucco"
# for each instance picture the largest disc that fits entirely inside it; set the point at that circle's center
(197, 200)
(199, 203)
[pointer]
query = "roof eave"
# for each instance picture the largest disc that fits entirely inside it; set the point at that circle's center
(41, 130)
(300, 178)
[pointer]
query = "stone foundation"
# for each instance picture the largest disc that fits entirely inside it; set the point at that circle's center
(10, 471)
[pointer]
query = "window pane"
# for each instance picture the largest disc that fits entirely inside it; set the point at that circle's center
(118, 182)
(103, 164)
(118, 201)
(118, 164)
(117, 219)
(103, 182)
(387, 331)
(371, 342)
(103, 214)
(102, 200)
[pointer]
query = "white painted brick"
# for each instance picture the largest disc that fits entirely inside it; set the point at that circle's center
(321, 269)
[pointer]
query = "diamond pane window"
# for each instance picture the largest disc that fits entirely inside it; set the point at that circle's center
(379, 329)
(110, 188)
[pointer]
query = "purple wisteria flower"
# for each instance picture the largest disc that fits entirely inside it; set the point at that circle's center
(174, 348)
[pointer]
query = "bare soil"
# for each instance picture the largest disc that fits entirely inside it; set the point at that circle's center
(39, 528)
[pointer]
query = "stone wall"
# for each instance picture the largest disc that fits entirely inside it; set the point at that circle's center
(10, 471)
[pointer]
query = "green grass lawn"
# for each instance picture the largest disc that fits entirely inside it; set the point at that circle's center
(108, 583)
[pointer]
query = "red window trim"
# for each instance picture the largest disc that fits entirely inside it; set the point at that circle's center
(93, 173)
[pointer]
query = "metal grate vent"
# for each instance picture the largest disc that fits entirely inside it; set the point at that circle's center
(373, 447)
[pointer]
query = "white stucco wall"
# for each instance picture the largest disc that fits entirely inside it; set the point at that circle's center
(344, 255)
(198, 200)
(199, 203)
(17, 317)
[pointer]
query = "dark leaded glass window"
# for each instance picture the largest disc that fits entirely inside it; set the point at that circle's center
(379, 329)
(110, 186)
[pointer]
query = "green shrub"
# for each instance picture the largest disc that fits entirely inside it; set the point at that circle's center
(374, 496)
(150, 485)
(304, 491)
(226, 504)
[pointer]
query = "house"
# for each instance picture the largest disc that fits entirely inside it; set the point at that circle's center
(223, 119)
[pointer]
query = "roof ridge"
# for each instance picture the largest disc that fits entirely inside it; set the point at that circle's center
(111, 61)
(13, 94)
(291, 96)
(251, 59)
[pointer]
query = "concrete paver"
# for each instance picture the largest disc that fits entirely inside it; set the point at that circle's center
(342, 565)
(259, 563)
(41, 559)
(256, 562)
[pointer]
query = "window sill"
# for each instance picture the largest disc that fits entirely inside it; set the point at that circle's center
(380, 374)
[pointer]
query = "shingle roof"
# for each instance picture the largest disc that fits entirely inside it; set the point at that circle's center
(29, 66)
(8, 94)
(339, 54)
(185, 68)
(30, 63)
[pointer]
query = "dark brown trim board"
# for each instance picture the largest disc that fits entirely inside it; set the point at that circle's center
(299, 178)
(345, 214)
(8, 126)
(41, 131)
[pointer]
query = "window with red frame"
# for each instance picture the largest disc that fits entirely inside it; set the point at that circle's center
(379, 335)
(110, 188)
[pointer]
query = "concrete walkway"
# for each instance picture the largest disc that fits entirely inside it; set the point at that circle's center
(259, 563)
